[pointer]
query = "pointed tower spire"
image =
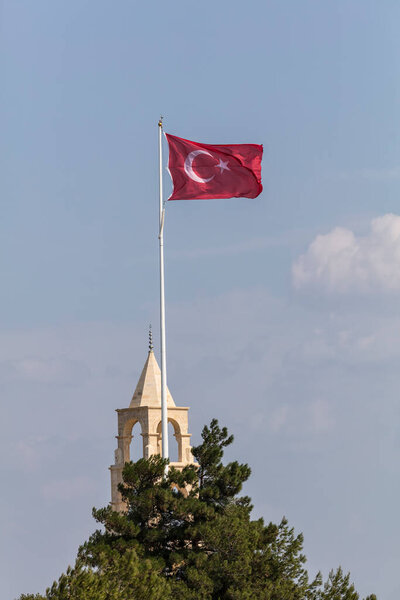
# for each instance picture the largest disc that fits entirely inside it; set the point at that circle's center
(144, 417)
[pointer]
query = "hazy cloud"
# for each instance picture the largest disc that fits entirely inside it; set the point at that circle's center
(374, 174)
(68, 489)
(240, 247)
(299, 389)
(321, 416)
(28, 452)
(40, 370)
(342, 262)
(278, 418)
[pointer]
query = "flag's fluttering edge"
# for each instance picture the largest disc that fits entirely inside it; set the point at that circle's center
(202, 171)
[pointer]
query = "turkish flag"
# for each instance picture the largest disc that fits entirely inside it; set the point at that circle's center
(201, 171)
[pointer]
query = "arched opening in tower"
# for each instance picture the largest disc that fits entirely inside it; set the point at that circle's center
(172, 444)
(174, 441)
(136, 446)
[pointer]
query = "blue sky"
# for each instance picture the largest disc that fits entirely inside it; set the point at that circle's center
(284, 307)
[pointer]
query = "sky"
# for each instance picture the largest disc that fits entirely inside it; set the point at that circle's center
(282, 311)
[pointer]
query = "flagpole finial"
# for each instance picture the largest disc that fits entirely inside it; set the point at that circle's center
(160, 121)
(150, 339)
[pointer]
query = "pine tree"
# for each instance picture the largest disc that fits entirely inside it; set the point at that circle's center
(190, 536)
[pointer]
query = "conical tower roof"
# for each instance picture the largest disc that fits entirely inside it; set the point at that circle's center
(148, 389)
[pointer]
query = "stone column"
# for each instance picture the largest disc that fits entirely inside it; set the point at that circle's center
(116, 478)
(150, 445)
(185, 452)
(124, 442)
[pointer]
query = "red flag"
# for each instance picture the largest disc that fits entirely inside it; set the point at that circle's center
(201, 171)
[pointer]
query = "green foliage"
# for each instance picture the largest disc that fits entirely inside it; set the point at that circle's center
(218, 484)
(126, 578)
(338, 587)
(189, 536)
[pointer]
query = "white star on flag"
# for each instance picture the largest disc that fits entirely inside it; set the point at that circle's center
(223, 166)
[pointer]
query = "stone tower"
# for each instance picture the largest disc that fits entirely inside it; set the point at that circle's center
(145, 409)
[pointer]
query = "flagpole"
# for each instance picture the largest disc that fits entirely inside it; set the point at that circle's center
(164, 415)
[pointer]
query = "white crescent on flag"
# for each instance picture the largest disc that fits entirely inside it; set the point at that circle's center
(188, 166)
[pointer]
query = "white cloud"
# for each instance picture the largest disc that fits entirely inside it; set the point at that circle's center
(342, 262)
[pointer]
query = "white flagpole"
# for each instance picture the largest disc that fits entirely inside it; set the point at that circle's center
(164, 415)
